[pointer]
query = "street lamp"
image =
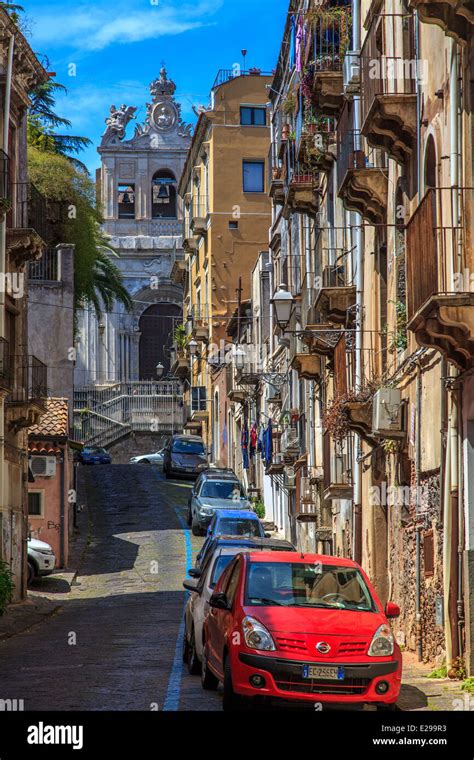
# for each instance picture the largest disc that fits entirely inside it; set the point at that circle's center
(283, 303)
(193, 347)
(239, 357)
(159, 370)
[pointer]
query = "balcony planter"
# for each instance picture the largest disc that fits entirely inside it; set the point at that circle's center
(285, 132)
(349, 412)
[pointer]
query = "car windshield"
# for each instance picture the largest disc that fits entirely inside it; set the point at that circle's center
(239, 527)
(294, 584)
(219, 566)
(94, 450)
(188, 447)
(222, 489)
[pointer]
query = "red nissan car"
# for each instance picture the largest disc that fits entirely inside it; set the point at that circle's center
(302, 627)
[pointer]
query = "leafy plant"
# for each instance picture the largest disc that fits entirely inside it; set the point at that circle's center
(259, 508)
(336, 414)
(441, 672)
(289, 103)
(6, 586)
(468, 685)
(400, 335)
(180, 337)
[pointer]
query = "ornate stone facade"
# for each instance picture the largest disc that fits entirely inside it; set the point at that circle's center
(142, 213)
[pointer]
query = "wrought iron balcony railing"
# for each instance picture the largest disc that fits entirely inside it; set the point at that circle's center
(29, 210)
(5, 364)
(4, 176)
(47, 268)
(29, 380)
(330, 36)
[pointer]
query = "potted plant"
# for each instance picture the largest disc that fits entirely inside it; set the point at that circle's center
(289, 104)
(285, 132)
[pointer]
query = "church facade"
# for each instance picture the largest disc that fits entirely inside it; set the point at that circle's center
(137, 187)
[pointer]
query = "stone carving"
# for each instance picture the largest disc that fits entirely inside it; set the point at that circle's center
(117, 121)
(163, 113)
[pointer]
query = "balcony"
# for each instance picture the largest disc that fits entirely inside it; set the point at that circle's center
(330, 36)
(302, 195)
(190, 240)
(335, 297)
(337, 479)
(317, 143)
(440, 308)
(5, 191)
(5, 367)
(275, 179)
(361, 186)
(26, 402)
(455, 17)
(201, 324)
(388, 98)
(180, 366)
(199, 213)
(28, 226)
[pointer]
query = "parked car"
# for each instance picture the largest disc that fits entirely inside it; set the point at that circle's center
(184, 455)
(202, 585)
(238, 522)
(214, 491)
(156, 458)
(41, 559)
(255, 544)
(299, 627)
(94, 455)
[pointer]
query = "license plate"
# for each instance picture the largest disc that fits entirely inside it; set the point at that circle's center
(324, 672)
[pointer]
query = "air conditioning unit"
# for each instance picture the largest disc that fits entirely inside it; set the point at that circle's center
(290, 477)
(290, 441)
(44, 467)
(307, 491)
(351, 72)
(388, 413)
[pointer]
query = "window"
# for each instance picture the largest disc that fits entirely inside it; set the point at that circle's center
(428, 553)
(254, 173)
(181, 446)
(35, 503)
(219, 566)
(198, 399)
(233, 225)
(250, 116)
(163, 195)
(126, 201)
(222, 489)
(231, 589)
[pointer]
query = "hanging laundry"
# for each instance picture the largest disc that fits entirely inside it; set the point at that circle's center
(244, 442)
(253, 440)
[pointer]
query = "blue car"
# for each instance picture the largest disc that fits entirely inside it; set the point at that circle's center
(238, 522)
(212, 543)
(94, 455)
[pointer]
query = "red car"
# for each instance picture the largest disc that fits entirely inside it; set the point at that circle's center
(300, 627)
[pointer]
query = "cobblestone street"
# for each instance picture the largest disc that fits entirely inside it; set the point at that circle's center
(115, 641)
(123, 616)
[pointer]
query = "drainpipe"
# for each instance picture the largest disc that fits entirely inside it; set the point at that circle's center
(418, 105)
(3, 256)
(418, 612)
(359, 282)
(461, 539)
(62, 512)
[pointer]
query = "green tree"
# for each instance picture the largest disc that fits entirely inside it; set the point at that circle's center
(97, 279)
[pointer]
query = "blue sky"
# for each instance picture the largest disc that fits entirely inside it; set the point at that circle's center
(118, 47)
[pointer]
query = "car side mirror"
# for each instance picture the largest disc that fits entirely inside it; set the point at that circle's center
(392, 610)
(194, 573)
(219, 601)
(191, 585)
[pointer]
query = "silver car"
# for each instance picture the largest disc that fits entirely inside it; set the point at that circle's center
(156, 458)
(202, 588)
(211, 492)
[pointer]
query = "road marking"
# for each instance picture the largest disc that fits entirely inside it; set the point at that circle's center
(174, 684)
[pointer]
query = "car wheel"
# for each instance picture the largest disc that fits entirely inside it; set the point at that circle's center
(231, 701)
(31, 573)
(194, 666)
(144, 461)
(208, 680)
(189, 519)
(196, 528)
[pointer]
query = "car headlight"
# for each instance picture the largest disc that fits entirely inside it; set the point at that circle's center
(48, 552)
(209, 511)
(382, 643)
(256, 635)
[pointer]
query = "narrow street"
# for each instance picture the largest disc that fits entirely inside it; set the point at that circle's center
(124, 613)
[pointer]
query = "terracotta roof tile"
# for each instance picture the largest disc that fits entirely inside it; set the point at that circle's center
(53, 424)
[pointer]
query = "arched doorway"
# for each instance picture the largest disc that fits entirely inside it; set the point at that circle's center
(430, 164)
(156, 326)
(163, 195)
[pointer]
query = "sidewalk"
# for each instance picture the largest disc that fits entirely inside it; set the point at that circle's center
(41, 603)
(423, 694)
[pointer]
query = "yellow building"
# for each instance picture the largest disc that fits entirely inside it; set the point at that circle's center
(227, 215)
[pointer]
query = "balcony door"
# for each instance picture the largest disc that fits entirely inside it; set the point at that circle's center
(157, 327)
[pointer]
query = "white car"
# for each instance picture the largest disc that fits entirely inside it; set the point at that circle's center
(202, 586)
(41, 559)
(148, 458)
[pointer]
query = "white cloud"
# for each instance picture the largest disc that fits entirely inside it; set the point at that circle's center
(92, 27)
